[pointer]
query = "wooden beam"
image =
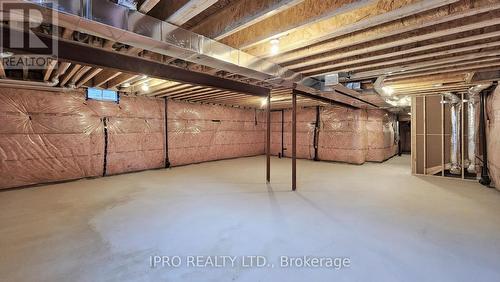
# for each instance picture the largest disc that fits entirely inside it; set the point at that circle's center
(240, 15)
(104, 77)
(2, 70)
(407, 68)
(79, 53)
(78, 75)
(427, 20)
(325, 58)
(67, 76)
(345, 67)
(121, 79)
(189, 10)
(480, 67)
(148, 5)
(359, 19)
(49, 70)
(289, 20)
(88, 77)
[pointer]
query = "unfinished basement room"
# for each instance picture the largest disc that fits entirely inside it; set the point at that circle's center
(249, 140)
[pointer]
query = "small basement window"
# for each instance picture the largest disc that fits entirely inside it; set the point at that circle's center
(103, 95)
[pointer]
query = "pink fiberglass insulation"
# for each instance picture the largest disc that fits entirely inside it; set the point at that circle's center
(199, 133)
(135, 133)
(381, 136)
(342, 135)
(47, 137)
(493, 136)
(306, 118)
(276, 140)
(345, 135)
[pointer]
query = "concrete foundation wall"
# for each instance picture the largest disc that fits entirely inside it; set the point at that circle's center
(493, 136)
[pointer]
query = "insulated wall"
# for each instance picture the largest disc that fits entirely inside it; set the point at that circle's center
(344, 135)
(51, 136)
(199, 133)
(493, 136)
(46, 137)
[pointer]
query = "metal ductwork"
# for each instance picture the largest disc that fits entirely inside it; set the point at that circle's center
(113, 22)
(472, 127)
(455, 150)
(386, 93)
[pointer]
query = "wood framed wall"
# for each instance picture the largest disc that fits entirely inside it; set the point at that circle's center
(431, 136)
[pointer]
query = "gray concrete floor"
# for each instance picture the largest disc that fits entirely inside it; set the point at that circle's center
(392, 226)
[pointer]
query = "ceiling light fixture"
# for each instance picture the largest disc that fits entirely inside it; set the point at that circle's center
(263, 102)
(126, 84)
(145, 87)
(275, 46)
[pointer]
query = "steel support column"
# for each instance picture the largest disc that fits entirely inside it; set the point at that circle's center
(294, 141)
(268, 139)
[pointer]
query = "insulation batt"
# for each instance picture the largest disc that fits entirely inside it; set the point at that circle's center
(493, 136)
(199, 133)
(345, 135)
(49, 136)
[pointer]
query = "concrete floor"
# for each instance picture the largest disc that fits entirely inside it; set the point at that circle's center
(391, 225)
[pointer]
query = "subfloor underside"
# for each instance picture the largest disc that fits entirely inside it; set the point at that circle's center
(391, 225)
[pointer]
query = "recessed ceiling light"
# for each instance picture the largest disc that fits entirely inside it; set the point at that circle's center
(145, 87)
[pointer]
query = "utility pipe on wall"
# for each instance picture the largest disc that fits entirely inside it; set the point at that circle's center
(455, 152)
(472, 127)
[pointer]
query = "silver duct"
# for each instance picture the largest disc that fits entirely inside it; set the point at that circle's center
(455, 151)
(472, 125)
(113, 22)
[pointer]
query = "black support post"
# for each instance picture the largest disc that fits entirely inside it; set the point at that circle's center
(268, 139)
(294, 141)
(316, 134)
(167, 160)
(282, 133)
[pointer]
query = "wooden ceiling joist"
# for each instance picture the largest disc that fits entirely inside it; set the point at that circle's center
(104, 77)
(68, 75)
(325, 59)
(48, 71)
(189, 10)
(147, 5)
(88, 77)
(353, 21)
(240, 15)
(363, 63)
(393, 29)
(120, 79)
